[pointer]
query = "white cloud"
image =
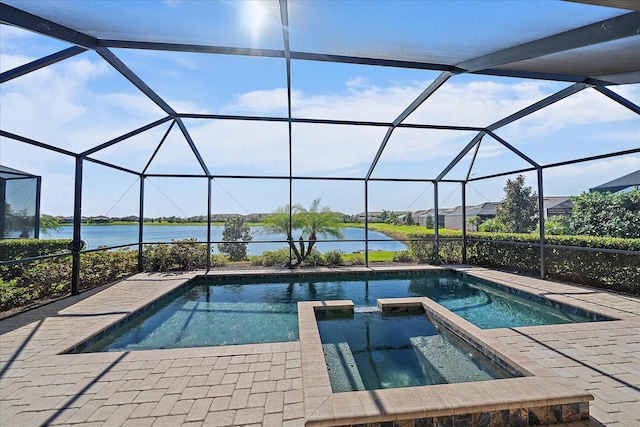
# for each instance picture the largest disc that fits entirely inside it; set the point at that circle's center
(580, 177)
(586, 107)
(9, 62)
(261, 102)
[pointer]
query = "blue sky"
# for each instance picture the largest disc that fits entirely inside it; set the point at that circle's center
(82, 102)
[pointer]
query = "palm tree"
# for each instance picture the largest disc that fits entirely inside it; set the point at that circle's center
(312, 223)
(280, 223)
(319, 221)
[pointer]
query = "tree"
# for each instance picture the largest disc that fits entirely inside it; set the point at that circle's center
(18, 221)
(48, 224)
(518, 211)
(428, 222)
(235, 235)
(319, 221)
(606, 214)
(311, 223)
(408, 219)
(283, 221)
(393, 218)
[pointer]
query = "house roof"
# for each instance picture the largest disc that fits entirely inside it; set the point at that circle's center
(619, 184)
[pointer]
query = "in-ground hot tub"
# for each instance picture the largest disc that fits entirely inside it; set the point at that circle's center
(370, 350)
(529, 395)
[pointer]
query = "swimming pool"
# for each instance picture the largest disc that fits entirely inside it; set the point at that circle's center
(225, 311)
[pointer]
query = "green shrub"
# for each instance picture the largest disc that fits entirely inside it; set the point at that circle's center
(11, 249)
(421, 248)
(450, 251)
(279, 257)
(27, 282)
(521, 253)
(313, 259)
(218, 260)
(13, 295)
(182, 255)
(356, 259)
(24, 283)
(403, 256)
(492, 225)
(595, 268)
(334, 257)
(100, 267)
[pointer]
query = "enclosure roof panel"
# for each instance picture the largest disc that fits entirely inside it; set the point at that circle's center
(8, 173)
(397, 83)
(551, 38)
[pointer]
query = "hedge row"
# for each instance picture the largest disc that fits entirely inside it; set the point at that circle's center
(520, 252)
(25, 283)
(22, 284)
(12, 249)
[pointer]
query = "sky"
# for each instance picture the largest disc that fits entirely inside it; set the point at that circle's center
(82, 102)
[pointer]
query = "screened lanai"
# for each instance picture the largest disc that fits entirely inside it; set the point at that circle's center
(179, 108)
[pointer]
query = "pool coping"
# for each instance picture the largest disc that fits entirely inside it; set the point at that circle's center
(535, 393)
(598, 357)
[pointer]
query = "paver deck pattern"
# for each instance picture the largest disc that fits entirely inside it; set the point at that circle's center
(262, 384)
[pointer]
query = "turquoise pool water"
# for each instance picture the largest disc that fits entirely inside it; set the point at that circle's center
(213, 312)
(370, 351)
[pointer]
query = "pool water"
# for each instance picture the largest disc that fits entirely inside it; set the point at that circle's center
(370, 351)
(212, 312)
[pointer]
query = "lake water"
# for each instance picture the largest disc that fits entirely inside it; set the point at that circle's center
(115, 235)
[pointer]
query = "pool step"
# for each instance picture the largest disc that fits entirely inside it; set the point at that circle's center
(343, 371)
(445, 363)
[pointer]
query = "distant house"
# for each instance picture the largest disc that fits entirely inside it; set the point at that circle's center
(557, 206)
(421, 218)
(256, 217)
(100, 219)
(373, 216)
(223, 217)
(623, 183)
(453, 218)
(69, 220)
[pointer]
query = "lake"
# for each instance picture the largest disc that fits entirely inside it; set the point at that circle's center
(115, 235)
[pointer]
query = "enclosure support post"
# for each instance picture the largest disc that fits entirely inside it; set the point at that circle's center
(76, 244)
(36, 230)
(543, 273)
(209, 179)
(141, 226)
(3, 206)
(436, 217)
(366, 222)
(464, 222)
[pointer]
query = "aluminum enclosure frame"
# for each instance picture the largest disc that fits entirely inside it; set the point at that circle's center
(621, 27)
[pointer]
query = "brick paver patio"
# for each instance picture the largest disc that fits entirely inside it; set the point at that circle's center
(262, 384)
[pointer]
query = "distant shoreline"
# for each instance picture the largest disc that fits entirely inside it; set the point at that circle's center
(397, 232)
